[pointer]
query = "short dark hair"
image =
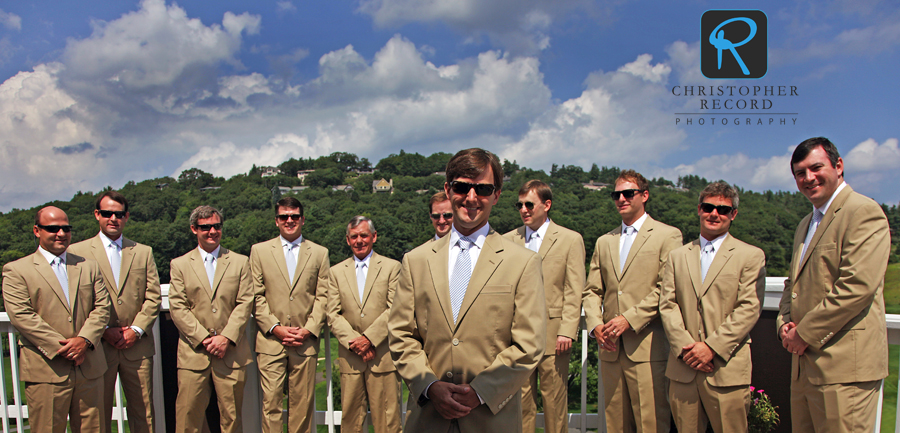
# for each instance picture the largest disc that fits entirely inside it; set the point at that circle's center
(803, 150)
(289, 202)
(359, 219)
(437, 198)
(720, 189)
(472, 163)
(539, 187)
(203, 212)
(634, 177)
(114, 196)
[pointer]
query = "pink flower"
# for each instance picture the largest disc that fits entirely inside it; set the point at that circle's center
(752, 388)
(761, 391)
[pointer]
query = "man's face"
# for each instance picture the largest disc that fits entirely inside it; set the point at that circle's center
(630, 208)
(441, 224)
(534, 217)
(208, 233)
(714, 224)
(471, 211)
(110, 224)
(816, 178)
(361, 240)
(289, 222)
(56, 241)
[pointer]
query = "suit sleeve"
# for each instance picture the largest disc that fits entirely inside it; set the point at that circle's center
(377, 332)
(864, 251)
(340, 327)
(405, 344)
(23, 316)
(594, 291)
(670, 311)
(152, 297)
(265, 320)
(784, 307)
(642, 313)
(98, 318)
(180, 308)
(237, 320)
(573, 288)
(513, 365)
(317, 316)
(737, 325)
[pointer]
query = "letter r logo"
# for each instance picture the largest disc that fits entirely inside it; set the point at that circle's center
(734, 44)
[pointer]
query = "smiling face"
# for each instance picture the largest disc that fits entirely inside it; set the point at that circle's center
(535, 217)
(816, 178)
(208, 239)
(112, 226)
(630, 208)
(289, 222)
(54, 242)
(471, 211)
(713, 224)
(361, 240)
(441, 225)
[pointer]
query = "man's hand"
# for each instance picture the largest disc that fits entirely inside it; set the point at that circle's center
(698, 356)
(360, 345)
(468, 398)
(112, 336)
(615, 328)
(602, 341)
(289, 336)
(563, 344)
(369, 354)
(73, 349)
(791, 340)
(441, 395)
(129, 337)
(216, 345)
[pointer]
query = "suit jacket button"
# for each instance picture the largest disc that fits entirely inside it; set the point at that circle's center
(362, 315)
(289, 317)
(456, 342)
(793, 295)
(620, 292)
(70, 318)
(292, 298)
(214, 310)
(449, 374)
(120, 302)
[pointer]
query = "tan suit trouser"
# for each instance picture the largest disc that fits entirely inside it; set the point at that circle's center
(554, 374)
(835, 408)
(635, 395)
(696, 404)
(300, 373)
(137, 385)
(382, 390)
(194, 390)
(78, 399)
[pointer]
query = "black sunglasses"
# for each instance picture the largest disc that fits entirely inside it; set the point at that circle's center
(528, 205)
(628, 193)
(722, 209)
(481, 189)
(109, 213)
(437, 216)
(208, 227)
(56, 229)
(286, 216)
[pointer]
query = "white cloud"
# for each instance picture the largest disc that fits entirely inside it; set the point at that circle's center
(10, 20)
(240, 87)
(739, 169)
(285, 6)
(228, 159)
(870, 156)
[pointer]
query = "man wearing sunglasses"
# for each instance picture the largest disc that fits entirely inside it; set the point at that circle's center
(58, 302)
(711, 298)
(290, 281)
(210, 301)
(562, 259)
(624, 280)
(831, 315)
(469, 318)
(129, 272)
(441, 215)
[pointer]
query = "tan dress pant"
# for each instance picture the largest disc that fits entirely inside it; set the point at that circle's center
(553, 371)
(834, 408)
(79, 399)
(635, 395)
(300, 373)
(382, 390)
(137, 385)
(696, 404)
(194, 391)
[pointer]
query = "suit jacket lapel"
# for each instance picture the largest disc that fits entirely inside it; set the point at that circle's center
(693, 263)
(718, 263)
(520, 236)
(488, 261)
(280, 261)
(827, 218)
(639, 241)
(43, 268)
(98, 250)
(440, 276)
(73, 272)
(371, 275)
(127, 260)
(549, 240)
(221, 266)
(302, 258)
(200, 271)
(613, 244)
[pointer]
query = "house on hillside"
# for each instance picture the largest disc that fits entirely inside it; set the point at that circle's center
(595, 186)
(345, 188)
(383, 186)
(301, 174)
(269, 171)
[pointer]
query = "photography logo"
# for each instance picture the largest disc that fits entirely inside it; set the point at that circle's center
(733, 44)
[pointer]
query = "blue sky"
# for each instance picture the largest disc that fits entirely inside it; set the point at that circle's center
(100, 93)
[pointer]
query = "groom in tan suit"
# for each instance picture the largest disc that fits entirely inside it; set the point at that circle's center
(711, 298)
(562, 264)
(210, 300)
(624, 280)
(832, 312)
(469, 320)
(290, 281)
(58, 303)
(359, 299)
(133, 285)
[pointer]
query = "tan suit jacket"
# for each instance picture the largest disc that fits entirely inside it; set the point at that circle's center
(562, 265)
(835, 293)
(300, 302)
(135, 302)
(496, 343)
(200, 311)
(38, 309)
(633, 291)
(719, 310)
(348, 318)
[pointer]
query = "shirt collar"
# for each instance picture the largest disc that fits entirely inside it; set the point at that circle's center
(363, 261)
(637, 224)
(479, 236)
(541, 231)
(717, 242)
(107, 241)
(50, 256)
(823, 209)
(285, 242)
(203, 253)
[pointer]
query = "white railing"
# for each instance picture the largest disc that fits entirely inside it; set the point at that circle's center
(14, 411)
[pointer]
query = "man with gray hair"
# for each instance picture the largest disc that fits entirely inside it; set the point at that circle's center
(359, 299)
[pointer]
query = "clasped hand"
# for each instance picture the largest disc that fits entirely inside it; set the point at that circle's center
(451, 400)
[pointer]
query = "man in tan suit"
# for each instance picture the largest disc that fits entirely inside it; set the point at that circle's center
(624, 280)
(290, 280)
(469, 319)
(711, 298)
(359, 299)
(58, 303)
(441, 214)
(133, 285)
(832, 312)
(210, 300)
(562, 265)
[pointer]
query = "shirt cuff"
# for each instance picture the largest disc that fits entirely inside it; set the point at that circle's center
(138, 331)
